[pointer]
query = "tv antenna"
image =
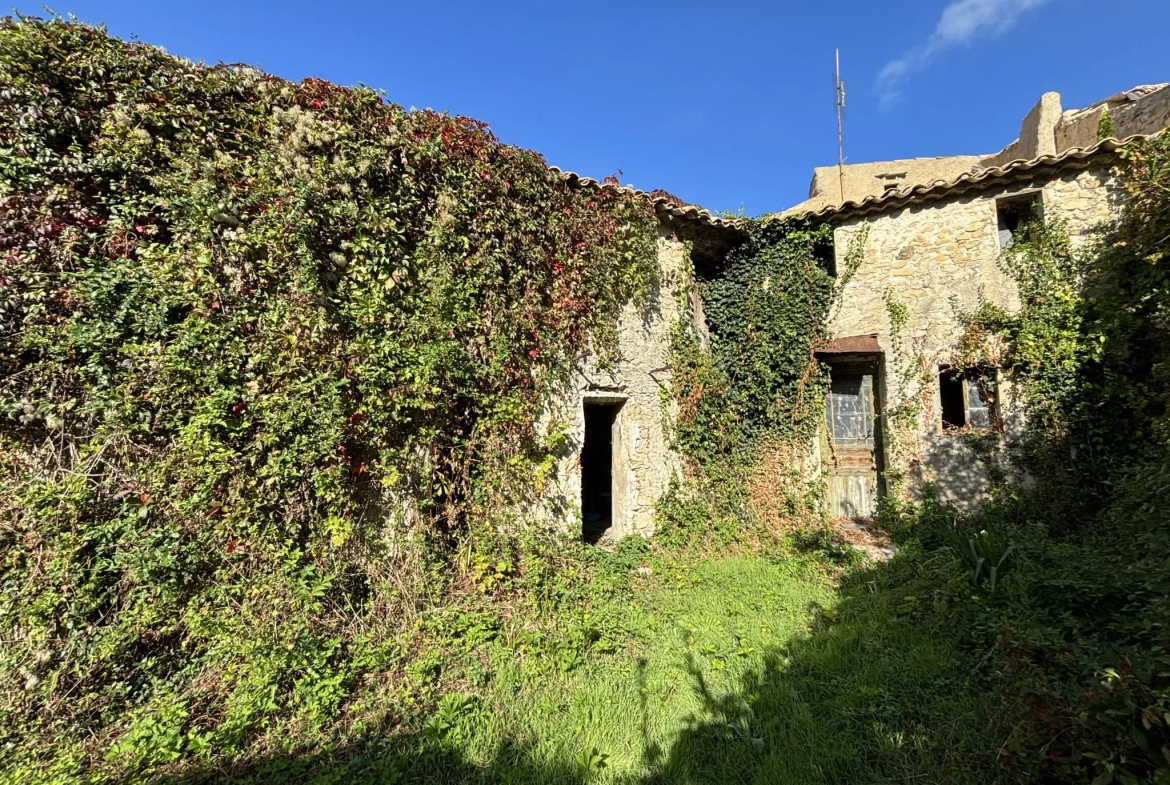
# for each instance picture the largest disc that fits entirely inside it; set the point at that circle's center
(839, 89)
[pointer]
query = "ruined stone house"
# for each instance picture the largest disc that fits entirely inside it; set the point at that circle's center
(926, 236)
(619, 460)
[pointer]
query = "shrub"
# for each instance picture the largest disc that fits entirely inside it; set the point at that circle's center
(263, 346)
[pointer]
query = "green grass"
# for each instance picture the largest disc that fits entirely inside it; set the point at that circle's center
(734, 669)
(698, 635)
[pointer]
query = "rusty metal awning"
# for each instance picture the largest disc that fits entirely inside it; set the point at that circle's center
(853, 344)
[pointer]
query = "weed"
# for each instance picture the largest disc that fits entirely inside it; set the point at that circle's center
(591, 761)
(988, 554)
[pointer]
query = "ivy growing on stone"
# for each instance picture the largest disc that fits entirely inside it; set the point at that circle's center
(1088, 353)
(253, 333)
(757, 386)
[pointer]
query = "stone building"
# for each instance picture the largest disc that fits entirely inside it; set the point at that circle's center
(1045, 130)
(926, 235)
(920, 243)
(618, 460)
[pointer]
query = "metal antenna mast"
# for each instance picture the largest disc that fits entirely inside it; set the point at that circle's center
(839, 88)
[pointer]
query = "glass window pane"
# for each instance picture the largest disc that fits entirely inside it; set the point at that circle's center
(849, 410)
(978, 402)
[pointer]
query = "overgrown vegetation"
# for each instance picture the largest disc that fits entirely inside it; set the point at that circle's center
(1077, 638)
(264, 347)
(1062, 648)
(272, 358)
(749, 404)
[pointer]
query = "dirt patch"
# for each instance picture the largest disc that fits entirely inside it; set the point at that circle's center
(862, 535)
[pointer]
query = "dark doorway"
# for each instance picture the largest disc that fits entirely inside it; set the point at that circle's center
(597, 470)
(951, 398)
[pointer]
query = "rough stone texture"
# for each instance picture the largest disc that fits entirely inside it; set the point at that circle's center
(1078, 128)
(1038, 131)
(934, 258)
(643, 461)
(1044, 131)
(1142, 110)
(937, 259)
(873, 179)
(1037, 134)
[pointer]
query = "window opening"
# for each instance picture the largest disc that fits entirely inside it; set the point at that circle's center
(981, 398)
(967, 399)
(951, 395)
(825, 255)
(597, 470)
(849, 410)
(1014, 213)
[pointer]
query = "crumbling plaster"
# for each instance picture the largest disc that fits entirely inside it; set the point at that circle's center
(938, 259)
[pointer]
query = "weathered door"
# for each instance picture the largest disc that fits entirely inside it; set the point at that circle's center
(852, 460)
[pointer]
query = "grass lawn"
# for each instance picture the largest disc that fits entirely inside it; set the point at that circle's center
(735, 669)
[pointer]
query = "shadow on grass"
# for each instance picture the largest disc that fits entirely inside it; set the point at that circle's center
(868, 694)
(389, 760)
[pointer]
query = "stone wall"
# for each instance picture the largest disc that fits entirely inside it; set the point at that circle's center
(1037, 134)
(1142, 110)
(1078, 128)
(937, 259)
(873, 179)
(1145, 114)
(1048, 131)
(642, 461)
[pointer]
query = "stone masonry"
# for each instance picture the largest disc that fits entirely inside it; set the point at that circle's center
(938, 259)
(935, 251)
(643, 461)
(1045, 130)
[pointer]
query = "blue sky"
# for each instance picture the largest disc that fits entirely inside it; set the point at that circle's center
(727, 105)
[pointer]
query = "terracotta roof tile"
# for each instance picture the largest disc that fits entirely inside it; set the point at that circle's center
(663, 204)
(970, 181)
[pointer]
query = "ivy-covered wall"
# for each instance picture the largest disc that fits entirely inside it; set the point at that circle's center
(747, 396)
(636, 377)
(923, 268)
(264, 346)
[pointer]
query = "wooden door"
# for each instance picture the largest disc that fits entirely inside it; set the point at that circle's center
(852, 460)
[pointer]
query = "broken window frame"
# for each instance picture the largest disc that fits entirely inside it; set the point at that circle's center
(980, 383)
(859, 419)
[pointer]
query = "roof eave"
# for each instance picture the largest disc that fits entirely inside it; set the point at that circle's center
(1076, 157)
(662, 206)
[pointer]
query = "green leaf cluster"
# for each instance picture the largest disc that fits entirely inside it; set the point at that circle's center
(1082, 629)
(258, 339)
(757, 385)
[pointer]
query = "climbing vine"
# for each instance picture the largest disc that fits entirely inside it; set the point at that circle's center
(1088, 354)
(754, 397)
(255, 336)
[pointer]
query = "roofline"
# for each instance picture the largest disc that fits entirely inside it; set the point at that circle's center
(1074, 157)
(662, 205)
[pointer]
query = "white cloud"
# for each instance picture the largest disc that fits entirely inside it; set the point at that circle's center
(961, 23)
